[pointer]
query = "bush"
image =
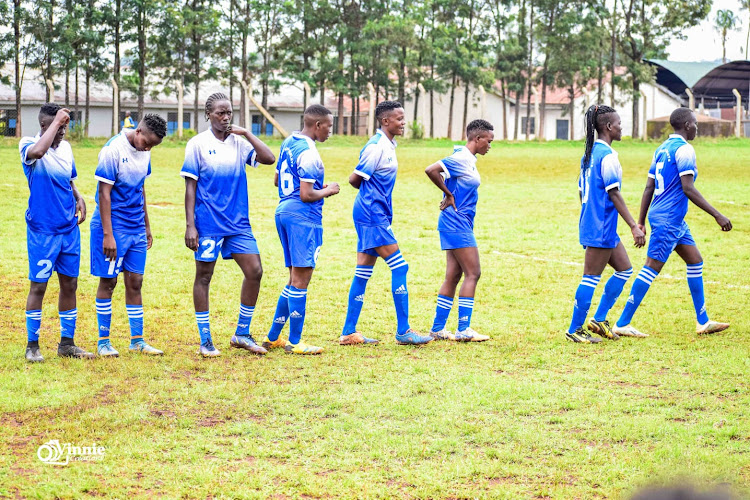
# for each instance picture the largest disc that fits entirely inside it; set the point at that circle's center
(417, 130)
(187, 134)
(77, 131)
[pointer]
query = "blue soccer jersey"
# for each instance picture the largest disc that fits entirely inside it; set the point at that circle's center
(597, 226)
(52, 207)
(377, 166)
(299, 162)
(673, 159)
(126, 169)
(221, 207)
(462, 179)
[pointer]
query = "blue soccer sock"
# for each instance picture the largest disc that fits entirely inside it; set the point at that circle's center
(695, 282)
(280, 316)
(442, 311)
(68, 323)
(612, 291)
(104, 318)
(297, 305)
(399, 270)
(465, 308)
(640, 287)
(135, 318)
(243, 323)
(582, 302)
(33, 323)
(362, 274)
(204, 326)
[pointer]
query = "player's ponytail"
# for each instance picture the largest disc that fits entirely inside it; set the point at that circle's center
(592, 124)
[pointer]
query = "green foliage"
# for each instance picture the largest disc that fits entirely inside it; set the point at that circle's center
(416, 130)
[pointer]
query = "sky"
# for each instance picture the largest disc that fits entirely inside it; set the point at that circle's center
(703, 42)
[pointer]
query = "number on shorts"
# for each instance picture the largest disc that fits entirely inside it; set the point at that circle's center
(286, 180)
(46, 270)
(659, 179)
(114, 264)
(210, 246)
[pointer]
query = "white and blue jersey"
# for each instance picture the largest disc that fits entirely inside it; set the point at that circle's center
(673, 159)
(126, 169)
(597, 226)
(221, 207)
(462, 178)
(377, 166)
(52, 207)
(299, 162)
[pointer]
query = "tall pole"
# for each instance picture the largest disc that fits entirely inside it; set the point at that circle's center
(423, 112)
(180, 107)
(371, 112)
(115, 108)
(738, 113)
(51, 89)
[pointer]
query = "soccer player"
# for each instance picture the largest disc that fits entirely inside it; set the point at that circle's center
(458, 178)
(216, 210)
(120, 229)
(53, 239)
(670, 184)
(299, 217)
(375, 177)
(599, 189)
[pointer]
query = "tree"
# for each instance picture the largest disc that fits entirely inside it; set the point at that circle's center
(725, 22)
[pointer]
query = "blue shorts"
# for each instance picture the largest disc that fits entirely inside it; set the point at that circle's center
(665, 237)
(209, 247)
(53, 252)
(451, 241)
(300, 239)
(371, 237)
(131, 254)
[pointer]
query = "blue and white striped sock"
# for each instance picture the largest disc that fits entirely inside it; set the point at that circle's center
(280, 316)
(442, 311)
(243, 323)
(204, 326)
(642, 283)
(68, 323)
(399, 269)
(695, 283)
(33, 323)
(612, 291)
(582, 302)
(465, 308)
(362, 275)
(135, 318)
(297, 307)
(104, 318)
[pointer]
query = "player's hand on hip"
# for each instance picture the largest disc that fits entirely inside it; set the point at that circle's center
(448, 201)
(81, 210)
(333, 188)
(149, 238)
(726, 224)
(638, 236)
(109, 247)
(191, 238)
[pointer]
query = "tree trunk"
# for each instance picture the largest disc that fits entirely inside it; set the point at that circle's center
(17, 61)
(450, 108)
(142, 59)
(51, 28)
(75, 109)
(613, 54)
(340, 112)
(67, 85)
(503, 95)
(231, 55)
(466, 111)
(600, 77)
(116, 95)
(636, 100)
(88, 98)
(402, 76)
(519, 98)
(572, 111)
(432, 113)
(244, 66)
(416, 101)
(196, 55)
(530, 72)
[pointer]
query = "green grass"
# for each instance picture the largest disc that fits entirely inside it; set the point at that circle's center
(526, 415)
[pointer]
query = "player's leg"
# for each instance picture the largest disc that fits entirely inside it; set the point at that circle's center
(446, 293)
(300, 280)
(595, 261)
(42, 252)
(134, 265)
(620, 262)
(362, 274)
(34, 320)
(107, 272)
(468, 259)
(280, 316)
(204, 271)
(252, 270)
(67, 267)
(694, 261)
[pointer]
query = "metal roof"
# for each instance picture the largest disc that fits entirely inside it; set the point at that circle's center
(712, 81)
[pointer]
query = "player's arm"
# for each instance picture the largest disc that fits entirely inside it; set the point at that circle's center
(62, 118)
(368, 162)
(639, 235)
(355, 180)
(648, 195)
(688, 187)
(149, 238)
(263, 153)
(191, 232)
(434, 172)
(276, 179)
(80, 203)
(309, 194)
(109, 246)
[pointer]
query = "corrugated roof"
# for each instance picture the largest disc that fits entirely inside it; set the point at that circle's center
(687, 72)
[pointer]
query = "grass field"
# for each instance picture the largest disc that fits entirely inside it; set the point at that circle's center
(525, 415)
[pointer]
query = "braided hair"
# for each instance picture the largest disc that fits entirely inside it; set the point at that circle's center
(595, 120)
(217, 96)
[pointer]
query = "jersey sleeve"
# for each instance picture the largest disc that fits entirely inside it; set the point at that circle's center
(368, 161)
(307, 167)
(108, 166)
(452, 167)
(192, 165)
(23, 148)
(74, 173)
(685, 160)
(611, 172)
(248, 153)
(148, 172)
(652, 168)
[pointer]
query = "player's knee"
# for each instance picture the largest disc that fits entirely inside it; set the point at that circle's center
(473, 275)
(203, 278)
(108, 285)
(255, 273)
(69, 285)
(134, 283)
(37, 289)
(453, 277)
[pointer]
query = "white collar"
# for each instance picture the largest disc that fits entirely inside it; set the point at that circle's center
(392, 141)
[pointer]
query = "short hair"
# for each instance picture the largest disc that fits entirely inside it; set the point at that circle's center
(216, 96)
(679, 117)
(49, 109)
(155, 124)
(384, 107)
(317, 110)
(476, 127)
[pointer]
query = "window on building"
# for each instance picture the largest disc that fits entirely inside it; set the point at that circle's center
(172, 121)
(563, 130)
(8, 122)
(75, 119)
(532, 128)
(256, 126)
